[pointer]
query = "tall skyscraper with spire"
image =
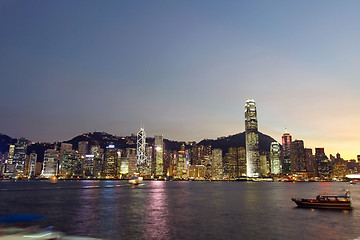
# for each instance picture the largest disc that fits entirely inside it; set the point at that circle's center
(252, 140)
(143, 167)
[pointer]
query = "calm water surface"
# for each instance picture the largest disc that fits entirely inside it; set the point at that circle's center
(183, 210)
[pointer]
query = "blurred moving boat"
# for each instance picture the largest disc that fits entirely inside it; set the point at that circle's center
(136, 180)
(53, 179)
(10, 232)
(15, 233)
(341, 202)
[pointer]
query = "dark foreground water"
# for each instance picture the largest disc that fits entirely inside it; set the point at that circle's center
(183, 210)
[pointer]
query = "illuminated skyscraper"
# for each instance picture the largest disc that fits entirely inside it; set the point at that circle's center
(286, 140)
(11, 154)
(217, 164)
(264, 164)
(231, 158)
(242, 162)
(275, 158)
(252, 140)
(67, 162)
(181, 171)
(323, 163)
(143, 167)
(111, 160)
(65, 147)
(310, 162)
(159, 150)
(83, 147)
(32, 163)
(297, 156)
(88, 165)
(124, 166)
(20, 154)
(51, 163)
(132, 159)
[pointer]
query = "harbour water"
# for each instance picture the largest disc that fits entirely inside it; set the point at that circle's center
(183, 209)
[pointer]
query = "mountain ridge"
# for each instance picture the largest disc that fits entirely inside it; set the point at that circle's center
(103, 139)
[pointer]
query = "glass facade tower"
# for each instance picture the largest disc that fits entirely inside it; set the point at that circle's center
(252, 140)
(286, 140)
(275, 158)
(159, 150)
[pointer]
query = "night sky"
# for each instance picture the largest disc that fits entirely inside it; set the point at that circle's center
(183, 69)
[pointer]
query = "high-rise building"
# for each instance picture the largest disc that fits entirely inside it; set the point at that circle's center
(231, 158)
(111, 159)
(78, 166)
(205, 155)
(310, 163)
(286, 140)
(217, 164)
(275, 158)
(98, 161)
(252, 140)
(20, 154)
(124, 167)
(131, 155)
(159, 152)
(67, 163)
(96, 151)
(323, 163)
(67, 159)
(10, 158)
(32, 164)
(83, 147)
(89, 164)
(51, 163)
(297, 156)
(264, 164)
(2, 163)
(242, 161)
(9, 168)
(65, 147)
(340, 170)
(150, 159)
(187, 160)
(181, 164)
(143, 165)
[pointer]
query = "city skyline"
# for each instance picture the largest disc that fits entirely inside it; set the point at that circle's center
(182, 69)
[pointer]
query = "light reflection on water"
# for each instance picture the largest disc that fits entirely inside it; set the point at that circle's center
(157, 213)
(183, 210)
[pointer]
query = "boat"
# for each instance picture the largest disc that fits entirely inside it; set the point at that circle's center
(136, 180)
(53, 179)
(341, 202)
(10, 229)
(352, 182)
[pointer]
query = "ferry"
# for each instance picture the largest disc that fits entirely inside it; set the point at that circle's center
(136, 180)
(341, 202)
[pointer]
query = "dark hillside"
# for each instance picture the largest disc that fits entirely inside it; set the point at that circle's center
(237, 140)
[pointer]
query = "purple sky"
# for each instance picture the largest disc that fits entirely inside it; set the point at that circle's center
(183, 69)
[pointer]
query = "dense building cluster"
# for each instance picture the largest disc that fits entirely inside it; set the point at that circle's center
(290, 160)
